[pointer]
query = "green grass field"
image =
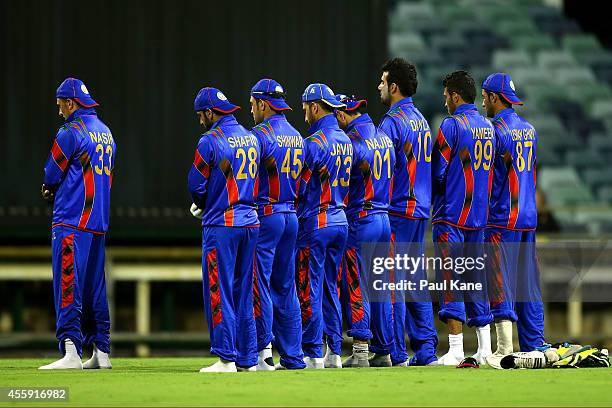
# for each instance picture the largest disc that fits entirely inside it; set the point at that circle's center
(176, 381)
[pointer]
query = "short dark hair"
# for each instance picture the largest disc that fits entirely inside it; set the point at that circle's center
(403, 74)
(323, 105)
(501, 98)
(461, 83)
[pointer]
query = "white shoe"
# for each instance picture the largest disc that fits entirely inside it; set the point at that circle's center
(356, 360)
(450, 359)
(332, 360)
(402, 364)
(265, 361)
(494, 360)
(481, 356)
(279, 366)
(71, 359)
(220, 367)
(531, 359)
(314, 363)
(99, 359)
(380, 360)
(245, 369)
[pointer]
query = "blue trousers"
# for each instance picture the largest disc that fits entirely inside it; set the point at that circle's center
(277, 309)
(456, 243)
(228, 258)
(514, 283)
(79, 289)
(412, 316)
(366, 317)
(319, 261)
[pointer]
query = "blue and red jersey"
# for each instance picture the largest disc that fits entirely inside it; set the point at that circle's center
(461, 166)
(282, 158)
(80, 171)
(411, 136)
(326, 175)
(372, 171)
(222, 177)
(513, 191)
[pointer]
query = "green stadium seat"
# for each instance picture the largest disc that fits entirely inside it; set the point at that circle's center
(580, 45)
(553, 60)
(509, 60)
(604, 194)
(525, 78)
(541, 95)
(587, 94)
(572, 195)
(408, 15)
(601, 143)
(532, 43)
(575, 76)
(597, 177)
(583, 159)
(496, 13)
(406, 43)
(513, 27)
(602, 109)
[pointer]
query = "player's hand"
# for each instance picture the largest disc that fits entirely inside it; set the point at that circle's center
(47, 193)
(196, 212)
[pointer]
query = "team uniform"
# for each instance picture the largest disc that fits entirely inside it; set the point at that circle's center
(510, 234)
(408, 213)
(461, 168)
(277, 309)
(323, 229)
(367, 214)
(80, 170)
(222, 184)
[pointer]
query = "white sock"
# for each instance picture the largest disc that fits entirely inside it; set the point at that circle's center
(503, 329)
(455, 344)
(484, 339)
(360, 348)
(266, 352)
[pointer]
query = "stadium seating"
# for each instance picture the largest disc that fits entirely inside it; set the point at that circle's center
(563, 75)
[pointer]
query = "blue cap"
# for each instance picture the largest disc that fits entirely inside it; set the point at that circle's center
(73, 88)
(352, 102)
(502, 84)
(272, 92)
(212, 98)
(321, 92)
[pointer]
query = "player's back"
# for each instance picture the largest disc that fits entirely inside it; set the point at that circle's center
(513, 191)
(227, 157)
(411, 135)
(372, 170)
(282, 158)
(82, 199)
(465, 149)
(326, 175)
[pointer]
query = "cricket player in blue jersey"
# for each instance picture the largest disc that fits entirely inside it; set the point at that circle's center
(222, 183)
(323, 229)
(510, 234)
(277, 309)
(366, 313)
(78, 178)
(461, 167)
(409, 208)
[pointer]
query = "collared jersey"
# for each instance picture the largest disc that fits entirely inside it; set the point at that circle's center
(222, 178)
(80, 170)
(513, 191)
(282, 158)
(411, 135)
(372, 171)
(461, 167)
(324, 183)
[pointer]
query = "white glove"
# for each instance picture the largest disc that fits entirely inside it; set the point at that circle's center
(196, 212)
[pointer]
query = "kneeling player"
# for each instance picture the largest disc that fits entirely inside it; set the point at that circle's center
(222, 185)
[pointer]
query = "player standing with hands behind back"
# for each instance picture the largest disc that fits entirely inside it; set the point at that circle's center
(78, 178)
(461, 165)
(222, 186)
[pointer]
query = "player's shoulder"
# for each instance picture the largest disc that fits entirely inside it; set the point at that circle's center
(317, 138)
